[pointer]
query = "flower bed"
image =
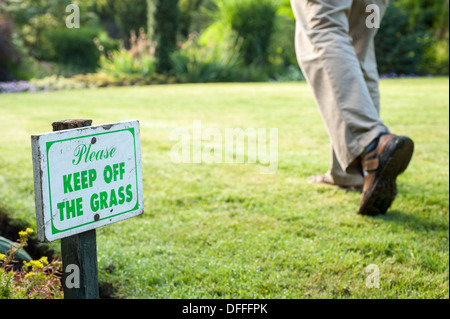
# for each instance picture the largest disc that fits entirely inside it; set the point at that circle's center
(17, 86)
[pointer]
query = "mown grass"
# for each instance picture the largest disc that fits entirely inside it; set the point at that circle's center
(227, 231)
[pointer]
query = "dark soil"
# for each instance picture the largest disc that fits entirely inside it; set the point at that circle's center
(10, 230)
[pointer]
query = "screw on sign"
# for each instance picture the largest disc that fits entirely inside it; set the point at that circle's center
(85, 177)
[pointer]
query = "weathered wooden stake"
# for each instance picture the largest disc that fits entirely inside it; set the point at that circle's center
(79, 250)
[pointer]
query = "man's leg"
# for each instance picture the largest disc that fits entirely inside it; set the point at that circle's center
(334, 70)
(365, 52)
(363, 42)
(335, 52)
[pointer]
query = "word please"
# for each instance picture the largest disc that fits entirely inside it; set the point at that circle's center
(83, 152)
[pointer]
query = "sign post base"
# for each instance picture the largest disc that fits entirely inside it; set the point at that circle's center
(80, 270)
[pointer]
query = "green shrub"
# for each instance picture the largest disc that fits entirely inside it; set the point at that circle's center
(436, 58)
(56, 83)
(102, 79)
(254, 23)
(400, 46)
(44, 69)
(96, 80)
(105, 44)
(74, 47)
(214, 57)
(34, 18)
(291, 73)
(138, 60)
(198, 63)
(123, 62)
(282, 48)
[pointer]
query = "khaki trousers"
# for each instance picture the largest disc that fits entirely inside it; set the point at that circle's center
(335, 50)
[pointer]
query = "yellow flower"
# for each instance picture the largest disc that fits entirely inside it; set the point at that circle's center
(26, 232)
(44, 260)
(36, 264)
(29, 274)
(2, 256)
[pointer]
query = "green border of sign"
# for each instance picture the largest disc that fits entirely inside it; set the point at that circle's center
(49, 145)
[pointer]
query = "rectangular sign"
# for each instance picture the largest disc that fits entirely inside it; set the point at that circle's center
(86, 178)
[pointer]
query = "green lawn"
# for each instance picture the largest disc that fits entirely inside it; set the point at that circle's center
(228, 231)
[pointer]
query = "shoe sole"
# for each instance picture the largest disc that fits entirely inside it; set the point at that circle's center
(383, 191)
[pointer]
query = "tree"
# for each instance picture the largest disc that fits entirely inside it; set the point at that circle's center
(187, 8)
(9, 57)
(120, 17)
(130, 16)
(163, 23)
(431, 13)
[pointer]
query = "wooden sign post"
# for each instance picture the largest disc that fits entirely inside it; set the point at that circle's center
(85, 177)
(79, 250)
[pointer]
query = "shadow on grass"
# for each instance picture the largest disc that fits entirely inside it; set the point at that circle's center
(414, 222)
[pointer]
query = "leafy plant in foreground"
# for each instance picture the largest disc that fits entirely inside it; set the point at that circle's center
(37, 279)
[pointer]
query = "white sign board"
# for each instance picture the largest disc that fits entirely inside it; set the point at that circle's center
(86, 178)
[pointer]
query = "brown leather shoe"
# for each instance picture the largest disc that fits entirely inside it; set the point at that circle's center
(384, 164)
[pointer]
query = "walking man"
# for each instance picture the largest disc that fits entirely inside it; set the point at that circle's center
(335, 50)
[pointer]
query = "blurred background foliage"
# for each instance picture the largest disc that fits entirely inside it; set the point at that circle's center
(413, 38)
(122, 42)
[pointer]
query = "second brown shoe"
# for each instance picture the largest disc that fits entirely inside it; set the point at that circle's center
(390, 158)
